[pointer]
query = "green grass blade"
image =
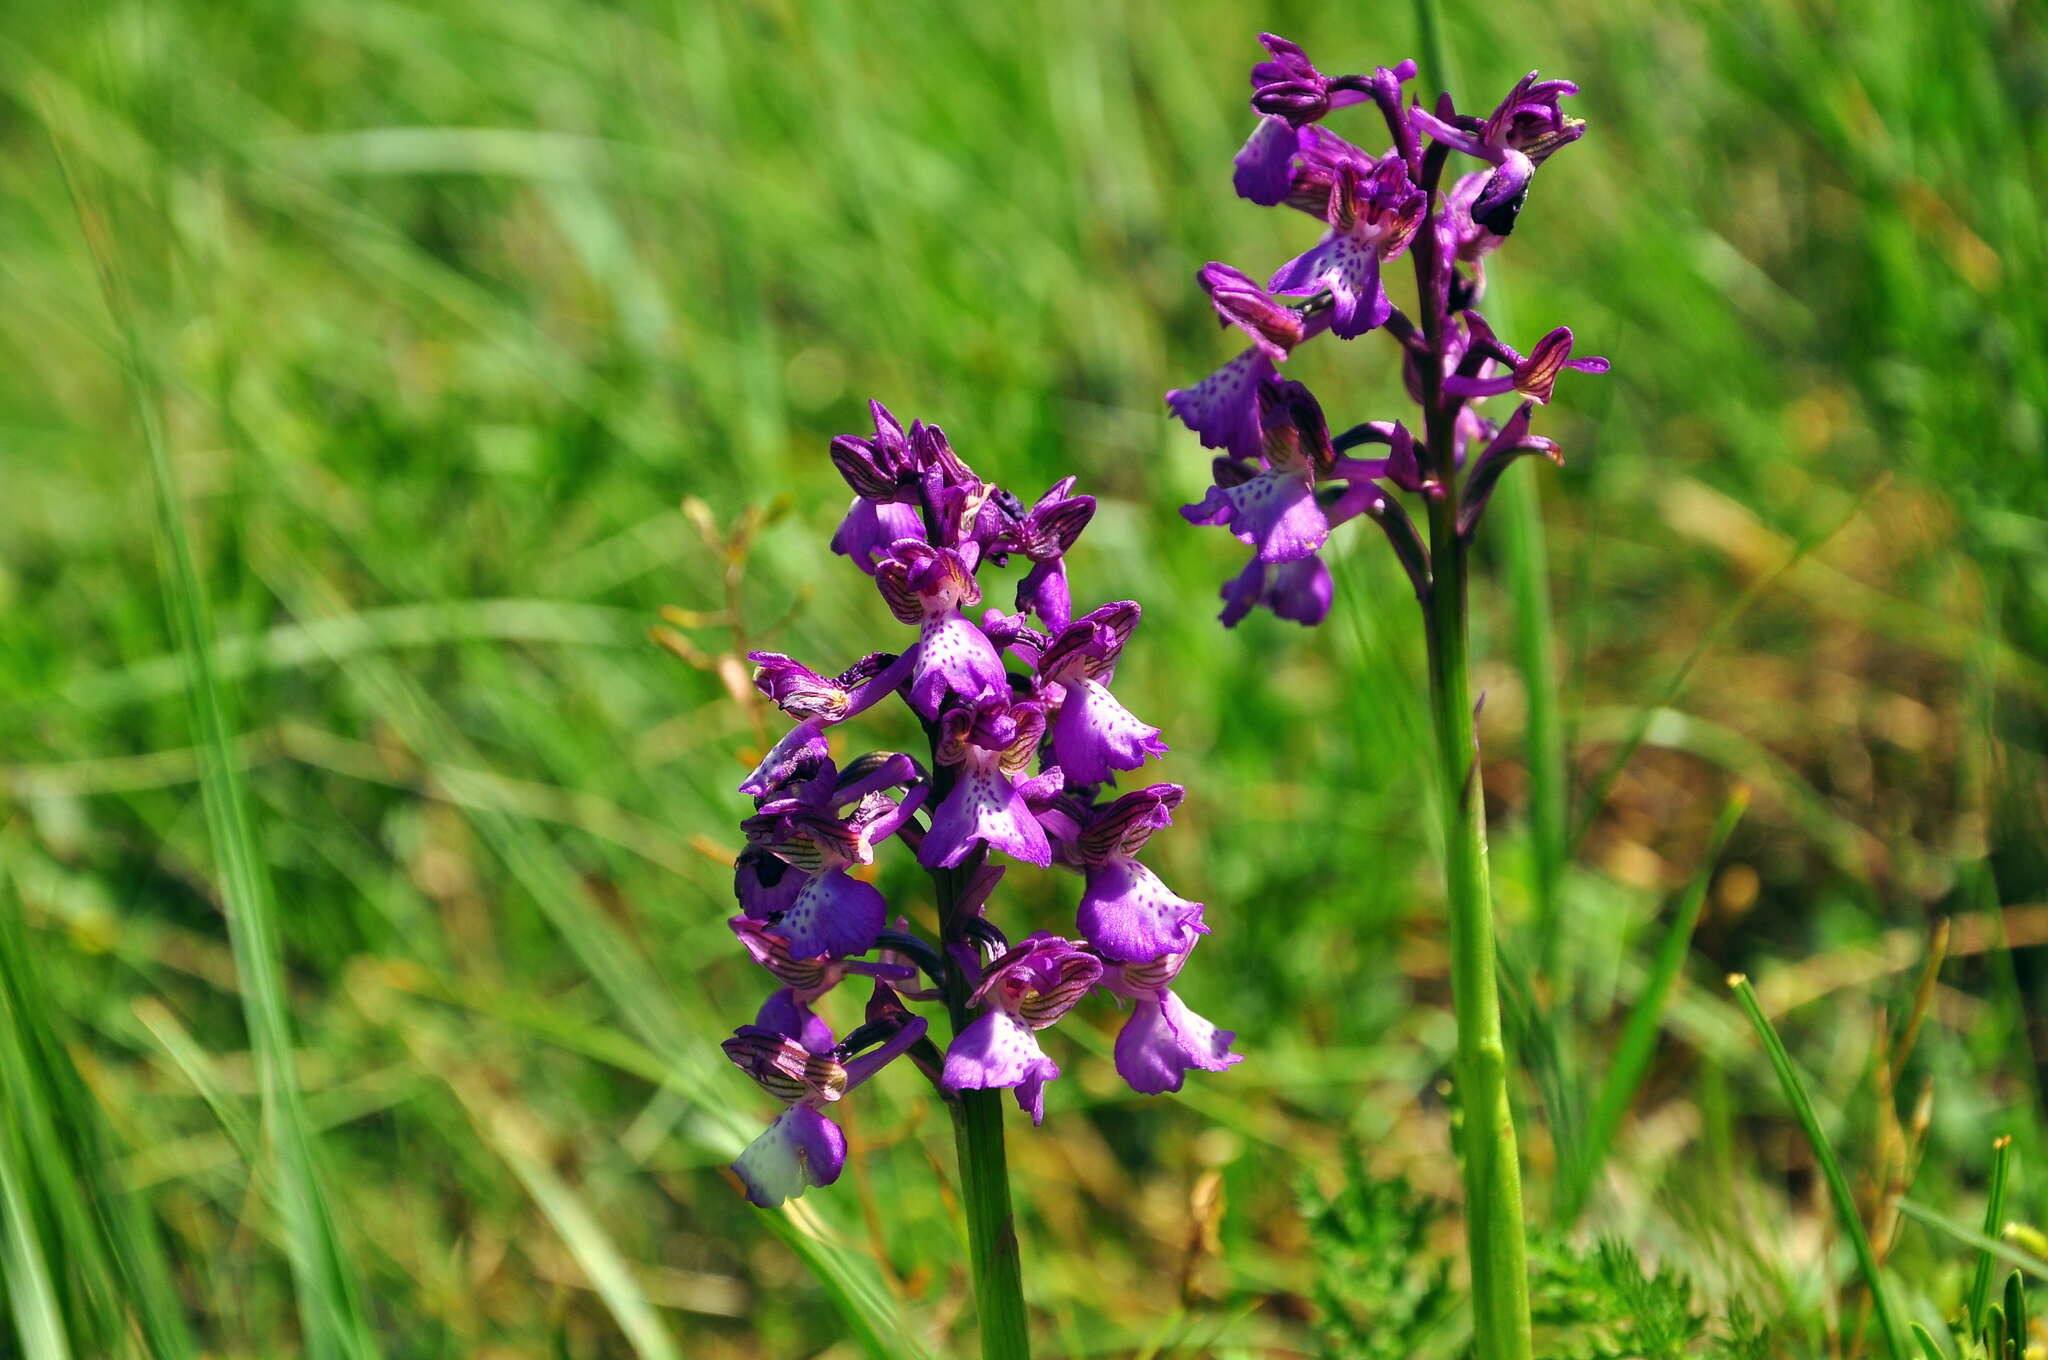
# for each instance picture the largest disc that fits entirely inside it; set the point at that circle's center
(1991, 1246)
(1925, 1338)
(1838, 1183)
(1517, 516)
(329, 1297)
(1638, 1040)
(112, 1281)
(32, 1296)
(1994, 1217)
(510, 1134)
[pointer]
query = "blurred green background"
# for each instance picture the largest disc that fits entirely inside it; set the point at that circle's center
(475, 332)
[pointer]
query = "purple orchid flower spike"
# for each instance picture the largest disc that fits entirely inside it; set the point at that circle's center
(1163, 1040)
(1526, 129)
(990, 744)
(1275, 509)
(1093, 735)
(1373, 215)
(1534, 377)
(803, 1148)
(1285, 498)
(927, 527)
(927, 586)
(1023, 992)
(1126, 914)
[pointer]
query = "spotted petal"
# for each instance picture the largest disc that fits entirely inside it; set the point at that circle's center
(1163, 1039)
(996, 1051)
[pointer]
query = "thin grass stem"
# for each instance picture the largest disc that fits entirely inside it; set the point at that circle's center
(1831, 1168)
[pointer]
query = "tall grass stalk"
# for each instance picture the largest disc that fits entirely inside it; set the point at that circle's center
(1994, 1217)
(1846, 1211)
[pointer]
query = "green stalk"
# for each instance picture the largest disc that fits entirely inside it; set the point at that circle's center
(991, 1228)
(1824, 1153)
(978, 1141)
(1493, 1177)
(1979, 1297)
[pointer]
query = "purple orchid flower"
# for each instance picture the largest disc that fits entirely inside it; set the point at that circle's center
(990, 743)
(927, 586)
(1533, 377)
(805, 1070)
(1510, 443)
(1093, 735)
(882, 470)
(924, 525)
(1163, 1040)
(1125, 912)
(1275, 509)
(828, 911)
(1026, 990)
(1043, 534)
(1288, 86)
(803, 694)
(1300, 591)
(1373, 215)
(1526, 129)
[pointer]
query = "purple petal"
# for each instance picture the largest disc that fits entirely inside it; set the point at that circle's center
(1223, 408)
(1044, 592)
(1350, 268)
(996, 1051)
(983, 806)
(1276, 512)
(1301, 591)
(870, 527)
(954, 657)
(1163, 1039)
(794, 755)
(1095, 735)
(786, 1015)
(1263, 165)
(833, 914)
(800, 1149)
(764, 884)
(1129, 915)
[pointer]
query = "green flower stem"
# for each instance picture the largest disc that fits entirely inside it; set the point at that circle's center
(1493, 1176)
(978, 1140)
(991, 1229)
